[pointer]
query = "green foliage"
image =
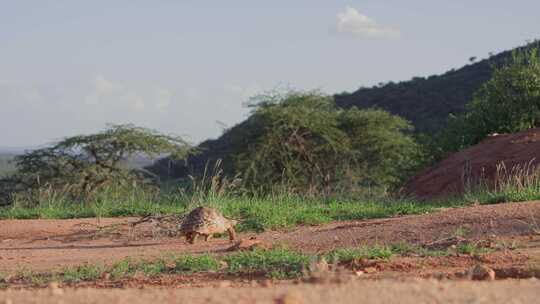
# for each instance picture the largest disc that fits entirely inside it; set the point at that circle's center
(83, 273)
(306, 145)
(188, 263)
(517, 184)
(6, 164)
(276, 263)
(346, 255)
(509, 102)
(82, 165)
(382, 152)
(257, 213)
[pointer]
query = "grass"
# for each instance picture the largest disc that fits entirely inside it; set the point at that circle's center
(516, 184)
(278, 263)
(189, 264)
(256, 214)
(347, 255)
(83, 273)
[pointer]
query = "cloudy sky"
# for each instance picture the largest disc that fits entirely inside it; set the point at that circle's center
(186, 67)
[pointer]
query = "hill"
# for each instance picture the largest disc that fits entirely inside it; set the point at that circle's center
(425, 101)
(497, 157)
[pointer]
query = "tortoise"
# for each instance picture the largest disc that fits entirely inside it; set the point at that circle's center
(206, 221)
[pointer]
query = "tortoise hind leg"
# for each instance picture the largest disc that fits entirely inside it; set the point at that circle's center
(194, 236)
(232, 234)
(207, 237)
(191, 237)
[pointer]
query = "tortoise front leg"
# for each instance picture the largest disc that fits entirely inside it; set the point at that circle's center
(207, 237)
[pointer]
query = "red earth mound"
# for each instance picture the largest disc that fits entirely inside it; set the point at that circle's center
(478, 164)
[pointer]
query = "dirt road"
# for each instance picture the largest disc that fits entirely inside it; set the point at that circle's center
(420, 291)
(51, 244)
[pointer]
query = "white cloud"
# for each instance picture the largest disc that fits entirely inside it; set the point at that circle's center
(352, 22)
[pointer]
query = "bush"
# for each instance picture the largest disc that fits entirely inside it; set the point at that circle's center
(303, 143)
(509, 102)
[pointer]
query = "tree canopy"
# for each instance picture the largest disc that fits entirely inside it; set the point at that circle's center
(84, 164)
(305, 143)
(509, 102)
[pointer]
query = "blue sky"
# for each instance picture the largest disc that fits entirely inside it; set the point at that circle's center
(70, 67)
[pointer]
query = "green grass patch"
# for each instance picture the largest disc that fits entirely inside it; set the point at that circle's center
(345, 255)
(201, 263)
(82, 273)
(256, 214)
(277, 263)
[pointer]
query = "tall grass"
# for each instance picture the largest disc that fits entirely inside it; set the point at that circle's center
(261, 212)
(519, 183)
(255, 213)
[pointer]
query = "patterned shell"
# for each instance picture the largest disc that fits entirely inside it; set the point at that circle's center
(205, 220)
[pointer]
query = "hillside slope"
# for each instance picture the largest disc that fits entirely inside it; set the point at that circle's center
(476, 163)
(426, 102)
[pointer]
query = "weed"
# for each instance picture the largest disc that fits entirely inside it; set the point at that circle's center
(346, 255)
(188, 263)
(153, 269)
(461, 231)
(123, 268)
(277, 263)
(83, 273)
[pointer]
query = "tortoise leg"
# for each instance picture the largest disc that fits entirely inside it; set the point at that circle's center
(207, 237)
(232, 234)
(188, 236)
(194, 236)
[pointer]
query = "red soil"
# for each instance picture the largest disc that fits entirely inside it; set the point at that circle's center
(476, 163)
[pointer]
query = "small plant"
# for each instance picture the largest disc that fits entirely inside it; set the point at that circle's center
(153, 269)
(83, 273)
(188, 263)
(461, 231)
(277, 263)
(347, 255)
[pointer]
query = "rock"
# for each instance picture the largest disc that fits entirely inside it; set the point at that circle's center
(370, 270)
(106, 276)
(249, 244)
(225, 284)
(55, 289)
(481, 273)
(267, 283)
(289, 298)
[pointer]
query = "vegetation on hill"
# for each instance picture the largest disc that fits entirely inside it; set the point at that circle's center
(425, 102)
(428, 101)
(304, 143)
(6, 164)
(509, 102)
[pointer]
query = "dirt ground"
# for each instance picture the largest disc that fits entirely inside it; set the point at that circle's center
(45, 245)
(50, 244)
(418, 291)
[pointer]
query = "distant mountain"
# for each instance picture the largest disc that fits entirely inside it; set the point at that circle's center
(425, 101)
(14, 150)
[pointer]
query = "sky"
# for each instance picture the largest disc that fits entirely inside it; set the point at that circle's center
(188, 67)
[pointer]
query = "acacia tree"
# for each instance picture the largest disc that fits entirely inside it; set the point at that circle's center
(87, 163)
(306, 144)
(298, 142)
